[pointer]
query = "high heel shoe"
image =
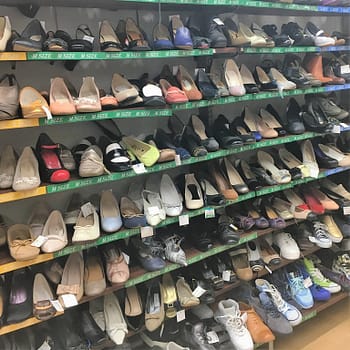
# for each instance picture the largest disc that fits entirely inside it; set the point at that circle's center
(248, 80)
(188, 85)
(234, 178)
(224, 135)
(272, 122)
(51, 168)
(263, 80)
(238, 129)
(247, 174)
(233, 78)
(199, 129)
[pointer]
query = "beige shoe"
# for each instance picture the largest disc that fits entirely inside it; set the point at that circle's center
(94, 275)
(9, 96)
(61, 101)
(109, 40)
(292, 162)
(335, 188)
(91, 163)
(42, 297)
(333, 152)
(257, 124)
(87, 228)
(255, 40)
(5, 32)
(133, 302)
(268, 254)
(38, 219)
(89, 96)
(334, 232)
(266, 161)
(301, 209)
(72, 281)
(233, 78)
(122, 89)
(27, 171)
(154, 309)
(282, 82)
(33, 104)
(8, 163)
(56, 233)
(184, 292)
(309, 158)
(193, 193)
(283, 208)
(19, 241)
(116, 326)
(241, 265)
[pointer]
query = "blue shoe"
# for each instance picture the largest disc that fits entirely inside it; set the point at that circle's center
(300, 294)
(162, 38)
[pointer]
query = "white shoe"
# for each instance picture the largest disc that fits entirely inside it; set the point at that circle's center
(318, 35)
(288, 247)
(5, 32)
(7, 166)
(309, 158)
(193, 193)
(116, 326)
(281, 81)
(86, 228)
(254, 256)
(290, 312)
(171, 198)
(228, 313)
(111, 219)
(153, 207)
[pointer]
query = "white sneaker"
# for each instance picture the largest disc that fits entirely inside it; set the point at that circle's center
(288, 247)
(228, 313)
(290, 312)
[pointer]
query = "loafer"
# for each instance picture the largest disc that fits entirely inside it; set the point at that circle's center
(20, 304)
(91, 163)
(31, 39)
(181, 34)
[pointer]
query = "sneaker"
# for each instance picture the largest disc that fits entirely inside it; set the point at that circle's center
(303, 232)
(318, 278)
(272, 317)
(342, 264)
(318, 293)
(291, 313)
(300, 293)
(336, 277)
(287, 245)
(320, 235)
(228, 313)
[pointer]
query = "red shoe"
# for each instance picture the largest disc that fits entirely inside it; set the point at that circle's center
(313, 203)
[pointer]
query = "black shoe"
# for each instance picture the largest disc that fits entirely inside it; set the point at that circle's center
(282, 40)
(323, 160)
(294, 31)
(238, 128)
(216, 33)
(247, 174)
(26, 42)
(208, 297)
(293, 122)
(226, 232)
(205, 85)
(293, 71)
(315, 119)
(223, 134)
(219, 267)
(198, 39)
(263, 80)
(20, 305)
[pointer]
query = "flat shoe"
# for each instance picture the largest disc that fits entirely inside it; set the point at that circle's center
(42, 297)
(33, 104)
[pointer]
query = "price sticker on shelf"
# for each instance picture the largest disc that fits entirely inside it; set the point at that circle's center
(198, 292)
(209, 213)
(69, 300)
(126, 258)
(39, 241)
(180, 316)
(184, 220)
(212, 337)
(346, 210)
(57, 305)
(139, 168)
(226, 275)
(146, 231)
(177, 160)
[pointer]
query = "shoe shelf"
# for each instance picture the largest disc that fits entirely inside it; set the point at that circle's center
(161, 112)
(293, 49)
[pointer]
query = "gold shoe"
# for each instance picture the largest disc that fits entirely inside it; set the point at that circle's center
(170, 296)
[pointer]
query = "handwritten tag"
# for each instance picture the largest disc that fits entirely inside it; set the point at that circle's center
(69, 300)
(39, 241)
(57, 305)
(184, 220)
(146, 231)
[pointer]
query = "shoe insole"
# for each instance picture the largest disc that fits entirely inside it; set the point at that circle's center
(254, 214)
(50, 159)
(93, 270)
(269, 119)
(109, 208)
(246, 75)
(186, 84)
(288, 159)
(199, 128)
(241, 130)
(27, 170)
(194, 192)
(133, 304)
(263, 77)
(232, 174)
(210, 189)
(247, 171)
(55, 228)
(169, 290)
(271, 214)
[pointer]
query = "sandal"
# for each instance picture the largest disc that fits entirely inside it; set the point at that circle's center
(83, 41)
(57, 42)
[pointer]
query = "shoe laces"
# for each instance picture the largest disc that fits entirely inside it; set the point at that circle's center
(234, 323)
(271, 309)
(297, 284)
(320, 230)
(277, 299)
(316, 273)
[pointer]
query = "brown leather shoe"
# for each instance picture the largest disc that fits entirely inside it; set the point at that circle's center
(256, 327)
(240, 263)
(313, 65)
(187, 84)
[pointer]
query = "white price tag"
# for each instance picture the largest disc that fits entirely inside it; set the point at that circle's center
(212, 337)
(57, 305)
(146, 231)
(345, 69)
(307, 282)
(226, 275)
(45, 346)
(184, 220)
(89, 38)
(69, 300)
(139, 168)
(177, 160)
(209, 213)
(336, 129)
(126, 258)
(180, 316)
(87, 209)
(218, 21)
(198, 292)
(153, 210)
(346, 210)
(39, 241)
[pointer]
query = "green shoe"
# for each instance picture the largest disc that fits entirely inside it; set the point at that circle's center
(319, 279)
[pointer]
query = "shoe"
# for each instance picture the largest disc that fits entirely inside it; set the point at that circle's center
(171, 198)
(8, 161)
(269, 213)
(173, 251)
(227, 234)
(264, 81)
(323, 159)
(89, 97)
(301, 294)
(309, 158)
(87, 227)
(5, 32)
(287, 245)
(233, 78)
(116, 327)
(42, 297)
(319, 234)
(341, 264)
(20, 303)
(154, 307)
(33, 104)
(187, 84)
(261, 33)
(169, 296)
(318, 278)
(255, 40)
(248, 80)
(252, 211)
(20, 239)
(254, 256)
(295, 123)
(31, 39)
(229, 314)
(234, 177)
(281, 40)
(266, 161)
(153, 207)
(291, 313)
(317, 35)
(281, 81)
(216, 30)
(131, 214)
(294, 165)
(181, 34)
(241, 264)
(223, 134)
(268, 254)
(94, 276)
(210, 194)
(161, 38)
(334, 232)
(326, 202)
(295, 32)
(109, 41)
(337, 189)
(259, 332)
(51, 168)
(61, 101)
(257, 125)
(312, 201)
(91, 163)
(72, 281)
(272, 122)
(313, 64)
(233, 34)
(111, 220)
(122, 89)
(9, 92)
(135, 37)
(335, 277)
(333, 152)
(193, 193)
(117, 270)
(247, 174)
(283, 209)
(206, 86)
